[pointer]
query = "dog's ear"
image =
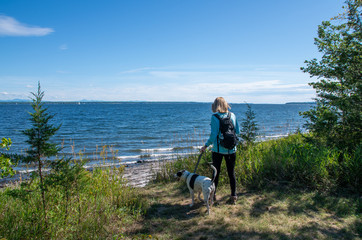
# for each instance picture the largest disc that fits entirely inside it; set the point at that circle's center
(179, 174)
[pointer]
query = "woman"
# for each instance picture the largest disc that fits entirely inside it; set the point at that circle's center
(220, 107)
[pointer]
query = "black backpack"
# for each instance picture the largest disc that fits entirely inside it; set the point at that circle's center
(228, 138)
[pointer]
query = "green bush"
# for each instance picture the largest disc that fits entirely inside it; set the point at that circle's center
(97, 208)
(6, 166)
(289, 159)
(297, 161)
(292, 160)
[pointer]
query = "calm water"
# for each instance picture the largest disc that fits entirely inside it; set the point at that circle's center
(140, 131)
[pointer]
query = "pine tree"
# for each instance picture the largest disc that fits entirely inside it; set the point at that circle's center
(39, 139)
(249, 127)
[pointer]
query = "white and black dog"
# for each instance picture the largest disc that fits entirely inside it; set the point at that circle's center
(199, 184)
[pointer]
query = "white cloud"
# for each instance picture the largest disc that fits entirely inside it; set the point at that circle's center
(11, 27)
(238, 85)
(254, 84)
(11, 96)
(252, 92)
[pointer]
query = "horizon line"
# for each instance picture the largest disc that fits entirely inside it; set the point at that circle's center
(135, 101)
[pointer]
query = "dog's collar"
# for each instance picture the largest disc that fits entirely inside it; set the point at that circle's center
(188, 175)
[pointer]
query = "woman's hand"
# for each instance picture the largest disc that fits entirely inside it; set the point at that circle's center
(203, 149)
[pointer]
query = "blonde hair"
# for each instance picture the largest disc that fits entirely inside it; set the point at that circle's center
(220, 105)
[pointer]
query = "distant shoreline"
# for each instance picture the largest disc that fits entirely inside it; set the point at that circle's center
(300, 103)
(22, 101)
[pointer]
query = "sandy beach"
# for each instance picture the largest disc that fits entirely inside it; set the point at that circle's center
(138, 175)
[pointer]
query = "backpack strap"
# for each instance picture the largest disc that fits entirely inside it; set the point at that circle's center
(217, 138)
(217, 116)
(229, 116)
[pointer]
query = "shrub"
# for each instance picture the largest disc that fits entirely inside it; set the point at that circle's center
(292, 160)
(97, 209)
(6, 166)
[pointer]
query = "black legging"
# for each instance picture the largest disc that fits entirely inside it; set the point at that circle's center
(230, 165)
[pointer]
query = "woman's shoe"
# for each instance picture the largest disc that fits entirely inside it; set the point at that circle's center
(233, 200)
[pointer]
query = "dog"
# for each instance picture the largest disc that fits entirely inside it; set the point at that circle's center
(198, 184)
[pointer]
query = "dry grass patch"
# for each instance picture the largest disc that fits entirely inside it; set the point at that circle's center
(274, 214)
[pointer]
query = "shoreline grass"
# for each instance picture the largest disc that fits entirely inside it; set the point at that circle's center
(287, 188)
(161, 211)
(95, 206)
(291, 160)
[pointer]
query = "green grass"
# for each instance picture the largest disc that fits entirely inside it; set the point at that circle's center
(291, 160)
(107, 209)
(98, 208)
(287, 188)
(273, 213)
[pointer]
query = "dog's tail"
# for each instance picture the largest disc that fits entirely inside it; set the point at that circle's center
(214, 172)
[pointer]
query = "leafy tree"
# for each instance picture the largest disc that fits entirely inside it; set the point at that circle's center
(336, 119)
(38, 138)
(249, 127)
(6, 166)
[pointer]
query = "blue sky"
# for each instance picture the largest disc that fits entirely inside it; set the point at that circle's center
(160, 50)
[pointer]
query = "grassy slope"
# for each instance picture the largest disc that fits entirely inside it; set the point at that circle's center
(278, 213)
(110, 210)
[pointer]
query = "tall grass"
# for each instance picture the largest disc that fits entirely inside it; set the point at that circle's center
(92, 205)
(291, 160)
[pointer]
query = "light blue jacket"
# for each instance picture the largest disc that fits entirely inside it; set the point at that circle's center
(215, 125)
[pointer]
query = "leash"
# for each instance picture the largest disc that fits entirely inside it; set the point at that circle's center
(198, 161)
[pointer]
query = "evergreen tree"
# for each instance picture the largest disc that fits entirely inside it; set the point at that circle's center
(336, 119)
(38, 138)
(249, 127)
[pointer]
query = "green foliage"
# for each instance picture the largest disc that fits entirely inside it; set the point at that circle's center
(249, 127)
(351, 169)
(6, 166)
(337, 117)
(291, 160)
(39, 140)
(41, 132)
(67, 178)
(5, 143)
(96, 206)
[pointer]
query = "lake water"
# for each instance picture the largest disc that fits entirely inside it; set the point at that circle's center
(135, 131)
